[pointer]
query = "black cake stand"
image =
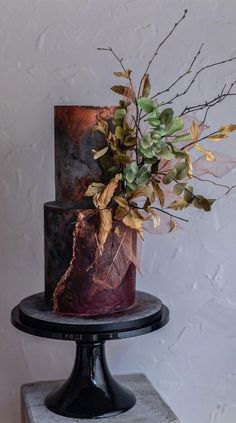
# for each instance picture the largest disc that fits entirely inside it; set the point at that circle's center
(90, 391)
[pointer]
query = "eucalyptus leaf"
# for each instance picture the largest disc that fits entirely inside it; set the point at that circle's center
(154, 122)
(179, 188)
(130, 172)
(119, 132)
(181, 138)
(146, 104)
(119, 114)
(166, 116)
(122, 158)
(188, 194)
(182, 171)
(174, 126)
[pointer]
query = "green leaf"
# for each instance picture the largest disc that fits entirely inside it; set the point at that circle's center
(130, 172)
(146, 104)
(175, 125)
(201, 202)
(146, 152)
(166, 153)
(146, 141)
(166, 116)
(122, 158)
(155, 122)
(188, 194)
(179, 188)
(155, 135)
(182, 138)
(168, 178)
(130, 141)
(182, 171)
(119, 114)
(120, 132)
(143, 175)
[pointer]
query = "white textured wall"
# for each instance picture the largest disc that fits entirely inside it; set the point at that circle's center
(48, 56)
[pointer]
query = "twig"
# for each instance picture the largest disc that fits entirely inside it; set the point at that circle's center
(163, 211)
(213, 183)
(158, 48)
(181, 76)
(120, 60)
(208, 104)
(195, 77)
(201, 139)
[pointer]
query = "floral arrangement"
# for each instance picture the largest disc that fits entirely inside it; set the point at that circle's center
(147, 159)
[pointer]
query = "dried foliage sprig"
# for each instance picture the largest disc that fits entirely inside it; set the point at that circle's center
(147, 157)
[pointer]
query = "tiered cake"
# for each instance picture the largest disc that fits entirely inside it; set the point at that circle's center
(77, 280)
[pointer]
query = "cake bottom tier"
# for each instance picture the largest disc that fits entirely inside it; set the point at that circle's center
(78, 279)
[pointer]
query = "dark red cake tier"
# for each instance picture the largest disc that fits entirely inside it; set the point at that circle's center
(78, 280)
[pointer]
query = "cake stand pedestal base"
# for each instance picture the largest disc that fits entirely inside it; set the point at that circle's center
(90, 391)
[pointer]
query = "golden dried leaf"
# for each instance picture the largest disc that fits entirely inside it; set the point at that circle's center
(159, 192)
(122, 202)
(104, 198)
(117, 231)
(120, 213)
(93, 189)
(99, 153)
(189, 163)
(178, 204)
(119, 89)
(195, 131)
(228, 128)
(125, 74)
(155, 218)
(125, 91)
(146, 86)
(101, 126)
(146, 191)
(173, 225)
(134, 220)
(218, 137)
(208, 154)
(104, 228)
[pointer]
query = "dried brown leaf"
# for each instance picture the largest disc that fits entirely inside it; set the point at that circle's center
(99, 153)
(125, 74)
(104, 198)
(195, 131)
(104, 228)
(146, 86)
(159, 192)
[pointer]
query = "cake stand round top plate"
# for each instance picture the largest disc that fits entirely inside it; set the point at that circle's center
(33, 316)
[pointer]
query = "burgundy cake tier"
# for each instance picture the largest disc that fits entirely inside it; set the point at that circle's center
(78, 279)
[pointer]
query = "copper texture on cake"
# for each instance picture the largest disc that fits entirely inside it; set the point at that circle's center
(75, 167)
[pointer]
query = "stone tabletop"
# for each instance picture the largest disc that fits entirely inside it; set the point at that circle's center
(150, 407)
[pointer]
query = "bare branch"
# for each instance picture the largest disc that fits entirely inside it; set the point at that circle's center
(208, 104)
(181, 76)
(213, 183)
(195, 77)
(163, 211)
(201, 139)
(158, 48)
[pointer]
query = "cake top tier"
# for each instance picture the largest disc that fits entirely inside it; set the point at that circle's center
(75, 167)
